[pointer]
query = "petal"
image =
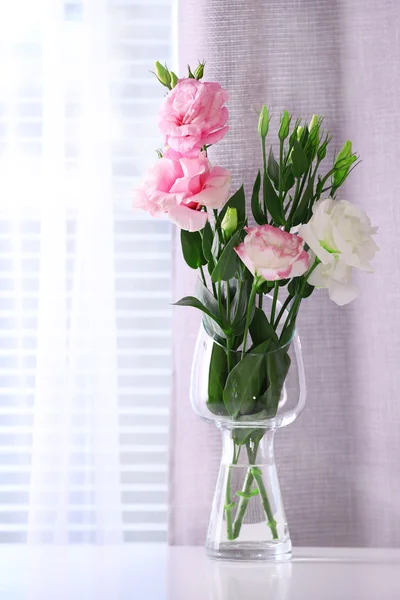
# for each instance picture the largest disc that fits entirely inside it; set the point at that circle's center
(342, 293)
(241, 252)
(301, 265)
(307, 234)
(187, 218)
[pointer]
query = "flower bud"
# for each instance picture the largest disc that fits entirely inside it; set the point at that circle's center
(174, 79)
(284, 128)
(342, 164)
(313, 123)
(345, 152)
(229, 222)
(263, 122)
(162, 74)
(199, 72)
(299, 133)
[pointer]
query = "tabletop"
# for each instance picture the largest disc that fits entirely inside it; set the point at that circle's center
(155, 572)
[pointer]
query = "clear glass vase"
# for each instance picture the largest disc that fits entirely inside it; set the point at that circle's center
(247, 519)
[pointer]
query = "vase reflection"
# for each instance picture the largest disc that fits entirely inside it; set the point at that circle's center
(241, 581)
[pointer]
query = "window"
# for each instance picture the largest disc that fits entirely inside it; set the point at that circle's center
(84, 283)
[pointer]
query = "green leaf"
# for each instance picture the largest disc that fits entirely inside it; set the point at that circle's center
(308, 290)
(203, 294)
(248, 495)
(208, 238)
(273, 204)
(242, 435)
(237, 201)
(258, 214)
(299, 160)
(288, 179)
(260, 328)
(216, 380)
(214, 330)
(302, 209)
(240, 301)
(215, 247)
(273, 168)
(288, 333)
(244, 382)
(192, 249)
(195, 303)
(226, 266)
(278, 364)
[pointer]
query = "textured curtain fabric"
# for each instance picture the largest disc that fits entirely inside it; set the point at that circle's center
(338, 465)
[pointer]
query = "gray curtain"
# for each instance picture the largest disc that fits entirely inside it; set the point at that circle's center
(339, 465)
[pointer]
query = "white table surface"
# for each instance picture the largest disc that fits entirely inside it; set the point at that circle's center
(149, 572)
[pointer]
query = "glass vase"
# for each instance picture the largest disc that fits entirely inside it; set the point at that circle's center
(247, 519)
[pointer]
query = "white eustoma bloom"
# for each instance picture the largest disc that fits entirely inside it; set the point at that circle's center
(336, 277)
(340, 235)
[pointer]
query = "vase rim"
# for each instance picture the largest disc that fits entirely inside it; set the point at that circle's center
(282, 348)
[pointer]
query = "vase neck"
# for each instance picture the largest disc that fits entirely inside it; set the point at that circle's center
(248, 446)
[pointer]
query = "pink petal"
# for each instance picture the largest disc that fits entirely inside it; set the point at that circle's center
(240, 251)
(188, 219)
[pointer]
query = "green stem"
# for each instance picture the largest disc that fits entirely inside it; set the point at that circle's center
(218, 230)
(249, 311)
(219, 294)
(203, 276)
(254, 473)
(280, 169)
(243, 502)
(229, 504)
(228, 303)
(274, 301)
(284, 307)
(257, 474)
(264, 159)
(298, 298)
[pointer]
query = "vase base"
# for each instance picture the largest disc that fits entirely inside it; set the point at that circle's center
(242, 551)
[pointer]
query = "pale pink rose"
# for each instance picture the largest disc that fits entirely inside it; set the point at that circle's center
(193, 115)
(180, 188)
(272, 254)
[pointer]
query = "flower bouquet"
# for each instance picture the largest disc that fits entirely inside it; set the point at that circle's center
(255, 268)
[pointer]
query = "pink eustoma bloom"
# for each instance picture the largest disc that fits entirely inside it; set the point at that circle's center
(180, 188)
(272, 254)
(193, 115)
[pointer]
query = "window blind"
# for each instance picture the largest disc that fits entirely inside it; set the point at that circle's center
(131, 35)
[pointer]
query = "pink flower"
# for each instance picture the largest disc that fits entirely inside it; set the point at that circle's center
(193, 115)
(181, 187)
(272, 253)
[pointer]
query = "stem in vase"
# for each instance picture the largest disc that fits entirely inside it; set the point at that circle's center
(254, 473)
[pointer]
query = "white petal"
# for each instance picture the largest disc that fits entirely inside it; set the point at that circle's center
(342, 293)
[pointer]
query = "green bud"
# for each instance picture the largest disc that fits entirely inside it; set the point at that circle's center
(342, 164)
(345, 152)
(229, 222)
(263, 122)
(299, 133)
(285, 124)
(190, 74)
(199, 72)
(313, 122)
(322, 149)
(163, 75)
(174, 79)
(159, 153)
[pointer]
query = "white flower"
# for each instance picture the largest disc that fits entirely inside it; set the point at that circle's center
(338, 230)
(340, 235)
(337, 278)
